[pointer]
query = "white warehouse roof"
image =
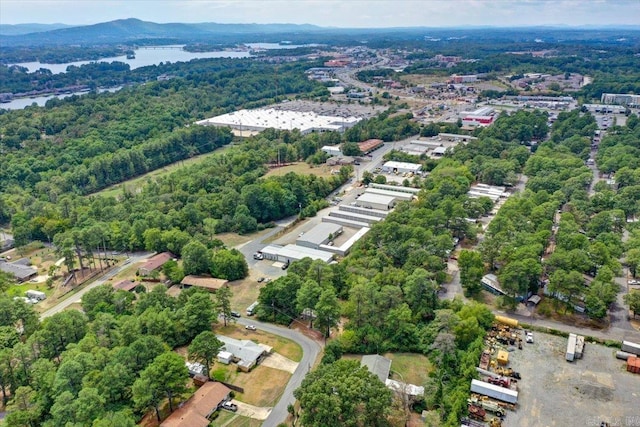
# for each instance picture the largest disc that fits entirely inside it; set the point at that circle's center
(295, 253)
(376, 198)
(261, 119)
(319, 234)
(402, 165)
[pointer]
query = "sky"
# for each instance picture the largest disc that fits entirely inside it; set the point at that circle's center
(329, 13)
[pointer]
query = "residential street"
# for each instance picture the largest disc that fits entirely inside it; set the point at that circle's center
(62, 305)
(310, 351)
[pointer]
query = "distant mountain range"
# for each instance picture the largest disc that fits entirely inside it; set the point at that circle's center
(132, 30)
(128, 31)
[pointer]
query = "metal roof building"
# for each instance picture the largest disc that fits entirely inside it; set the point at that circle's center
(400, 195)
(393, 166)
(378, 365)
(319, 235)
(376, 201)
(291, 253)
(261, 119)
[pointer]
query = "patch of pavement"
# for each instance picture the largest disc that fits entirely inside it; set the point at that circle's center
(278, 361)
(255, 412)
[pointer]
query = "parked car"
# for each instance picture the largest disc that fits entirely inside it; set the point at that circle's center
(250, 327)
(230, 406)
(285, 266)
(529, 337)
(258, 256)
(235, 314)
(260, 279)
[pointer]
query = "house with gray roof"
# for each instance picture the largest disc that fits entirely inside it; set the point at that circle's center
(246, 353)
(378, 365)
(19, 271)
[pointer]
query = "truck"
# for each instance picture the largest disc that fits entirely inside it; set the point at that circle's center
(631, 347)
(487, 405)
(36, 295)
(252, 309)
(494, 391)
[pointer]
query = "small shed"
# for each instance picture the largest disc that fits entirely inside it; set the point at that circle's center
(225, 357)
(534, 300)
(503, 357)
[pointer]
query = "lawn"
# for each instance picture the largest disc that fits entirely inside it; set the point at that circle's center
(413, 368)
(226, 418)
(283, 346)
(301, 169)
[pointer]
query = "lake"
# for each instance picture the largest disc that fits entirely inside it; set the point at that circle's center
(145, 56)
(20, 103)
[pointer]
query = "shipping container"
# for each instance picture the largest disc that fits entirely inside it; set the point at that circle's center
(571, 348)
(36, 295)
(495, 391)
(631, 347)
(633, 364)
(622, 355)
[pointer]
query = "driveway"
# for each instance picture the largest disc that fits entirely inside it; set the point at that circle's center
(278, 361)
(310, 351)
(255, 412)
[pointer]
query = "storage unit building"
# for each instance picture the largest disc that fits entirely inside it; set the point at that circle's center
(376, 201)
(401, 167)
(494, 391)
(319, 235)
(398, 188)
(398, 195)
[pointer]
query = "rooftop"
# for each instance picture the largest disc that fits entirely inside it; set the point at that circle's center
(157, 261)
(209, 283)
(376, 198)
(319, 234)
(378, 365)
(195, 412)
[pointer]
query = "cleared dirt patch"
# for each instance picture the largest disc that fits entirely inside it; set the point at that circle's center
(263, 386)
(255, 412)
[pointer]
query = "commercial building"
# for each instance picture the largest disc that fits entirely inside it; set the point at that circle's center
(376, 201)
(370, 145)
(401, 167)
(332, 150)
(481, 117)
(470, 78)
(397, 188)
(484, 190)
(261, 119)
(621, 98)
(319, 235)
(290, 253)
(398, 195)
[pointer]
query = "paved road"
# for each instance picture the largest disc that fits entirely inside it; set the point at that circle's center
(62, 305)
(310, 351)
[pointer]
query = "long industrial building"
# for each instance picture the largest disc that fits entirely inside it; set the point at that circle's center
(261, 119)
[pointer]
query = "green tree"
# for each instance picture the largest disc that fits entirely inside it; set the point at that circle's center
(307, 297)
(351, 149)
(632, 299)
(196, 258)
(327, 310)
(343, 393)
(24, 408)
(166, 377)
(229, 264)
(204, 349)
(223, 302)
(471, 271)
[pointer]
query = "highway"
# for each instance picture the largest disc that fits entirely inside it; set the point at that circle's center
(62, 305)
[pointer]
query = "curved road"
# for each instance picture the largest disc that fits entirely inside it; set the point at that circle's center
(310, 351)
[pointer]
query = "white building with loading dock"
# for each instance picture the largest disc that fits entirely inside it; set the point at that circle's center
(401, 167)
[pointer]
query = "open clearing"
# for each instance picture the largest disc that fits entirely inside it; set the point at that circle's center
(554, 392)
(302, 169)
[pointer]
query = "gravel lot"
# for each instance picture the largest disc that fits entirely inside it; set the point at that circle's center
(554, 392)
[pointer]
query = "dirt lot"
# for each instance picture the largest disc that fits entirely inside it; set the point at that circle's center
(554, 392)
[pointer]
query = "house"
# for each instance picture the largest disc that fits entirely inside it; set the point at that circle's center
(125, 285)
(196, 411)
(21, 272)
(211, 284)
(155, 263)
(225, 357)
(378, 365)
(246, 353)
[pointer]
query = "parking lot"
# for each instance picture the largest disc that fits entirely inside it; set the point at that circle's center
(554, 392)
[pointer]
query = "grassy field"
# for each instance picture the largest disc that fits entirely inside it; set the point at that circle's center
(302, 169)
(413, 368)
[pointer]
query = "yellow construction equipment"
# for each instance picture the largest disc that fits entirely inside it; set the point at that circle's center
(507, 321)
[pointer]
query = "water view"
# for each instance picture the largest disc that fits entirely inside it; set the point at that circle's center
(144, 56)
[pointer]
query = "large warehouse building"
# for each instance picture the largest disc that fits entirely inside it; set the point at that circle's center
(401, 167)
(261, 119)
